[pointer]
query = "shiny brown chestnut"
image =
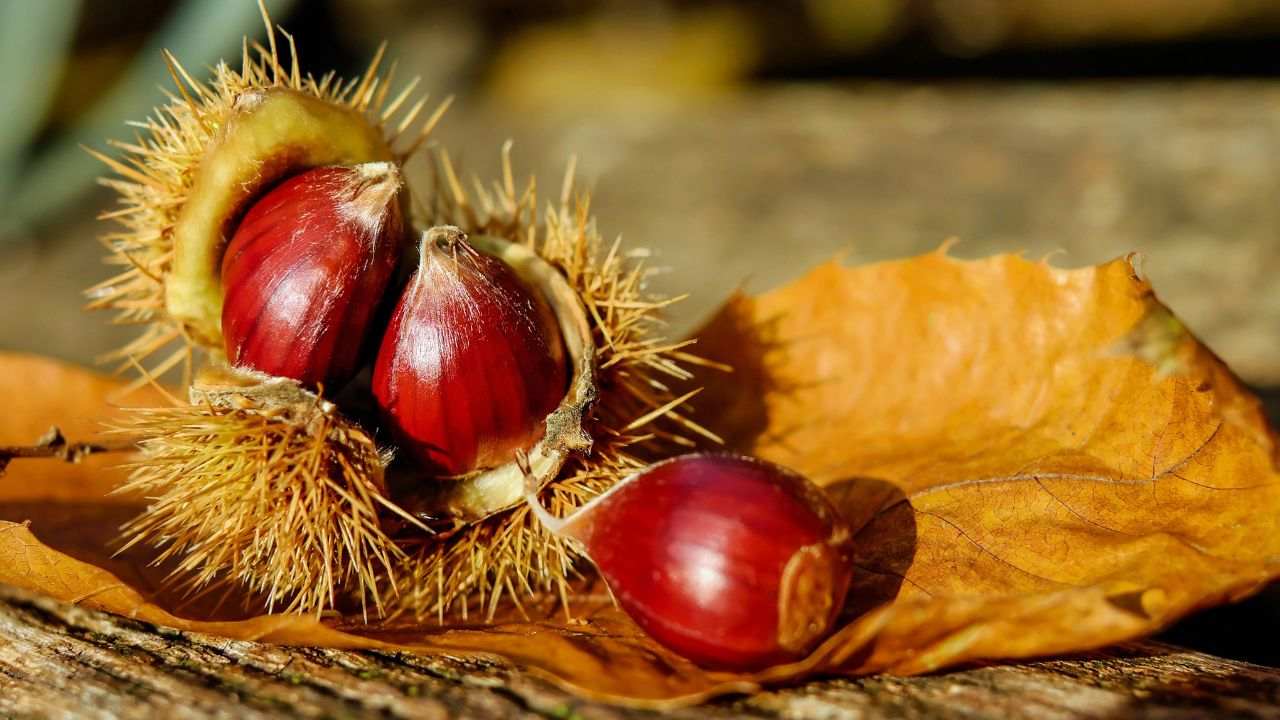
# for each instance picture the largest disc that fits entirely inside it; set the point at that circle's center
(306, 270)
(730, 561)
(471, 363)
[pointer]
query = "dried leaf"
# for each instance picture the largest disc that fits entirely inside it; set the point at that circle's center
(1036, 460)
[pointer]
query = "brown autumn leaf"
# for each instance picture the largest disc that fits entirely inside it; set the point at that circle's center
(1036, 461)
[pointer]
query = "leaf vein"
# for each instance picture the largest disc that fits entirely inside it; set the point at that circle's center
(991, 553)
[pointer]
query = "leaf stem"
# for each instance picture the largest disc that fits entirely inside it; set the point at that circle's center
(54, 445)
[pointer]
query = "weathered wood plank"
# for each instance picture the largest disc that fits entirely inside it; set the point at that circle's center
(58, 660)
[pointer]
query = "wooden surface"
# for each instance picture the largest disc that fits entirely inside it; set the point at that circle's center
(58, 660)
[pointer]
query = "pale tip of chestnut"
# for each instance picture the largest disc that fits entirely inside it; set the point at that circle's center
(372, 190)
(445, 237)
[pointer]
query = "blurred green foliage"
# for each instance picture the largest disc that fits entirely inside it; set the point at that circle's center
(35, 51)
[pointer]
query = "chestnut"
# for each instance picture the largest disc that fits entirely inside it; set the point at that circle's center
(472, 361)
(306, 271)
(732, 562)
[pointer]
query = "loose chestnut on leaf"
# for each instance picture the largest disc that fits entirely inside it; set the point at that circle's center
(732, 562)
(471, 363)
(306, 271)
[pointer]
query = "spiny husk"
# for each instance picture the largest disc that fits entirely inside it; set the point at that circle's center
(283, 498)
(154, 179)
(510, 555)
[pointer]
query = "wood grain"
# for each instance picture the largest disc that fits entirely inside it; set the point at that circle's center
(58, 660)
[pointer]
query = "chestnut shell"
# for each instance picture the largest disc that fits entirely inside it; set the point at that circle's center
(306, 271)
(733, 562)
(471, 363)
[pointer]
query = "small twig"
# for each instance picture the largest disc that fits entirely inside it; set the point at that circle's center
(53, 445)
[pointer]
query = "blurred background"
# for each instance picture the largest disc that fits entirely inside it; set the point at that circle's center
(743, 142)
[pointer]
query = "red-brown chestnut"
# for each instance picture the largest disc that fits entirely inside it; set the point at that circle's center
(306, 270)
(732, 562)
(472, 362)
